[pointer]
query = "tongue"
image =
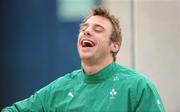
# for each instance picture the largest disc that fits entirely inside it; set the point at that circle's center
(87, 44)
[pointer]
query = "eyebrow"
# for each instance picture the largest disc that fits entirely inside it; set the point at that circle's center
(82, 24)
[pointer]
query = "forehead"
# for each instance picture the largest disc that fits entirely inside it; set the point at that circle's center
(99, 20)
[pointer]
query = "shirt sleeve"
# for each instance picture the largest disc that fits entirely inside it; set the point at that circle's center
(148, 99)
(30, 104)
(34, 103)
(42, 99)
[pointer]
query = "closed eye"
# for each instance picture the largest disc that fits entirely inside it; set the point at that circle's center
(98, 28)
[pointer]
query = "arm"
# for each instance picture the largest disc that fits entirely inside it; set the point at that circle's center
(46, 99)
(30, 104)
(35, 103)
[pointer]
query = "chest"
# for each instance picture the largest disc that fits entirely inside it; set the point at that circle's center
(102, 97)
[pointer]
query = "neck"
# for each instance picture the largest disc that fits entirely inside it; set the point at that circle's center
(93, 67)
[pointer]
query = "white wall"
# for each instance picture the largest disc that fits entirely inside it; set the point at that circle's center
(151, 43)
(157, 47)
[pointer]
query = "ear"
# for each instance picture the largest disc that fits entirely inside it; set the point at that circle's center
(115, 46)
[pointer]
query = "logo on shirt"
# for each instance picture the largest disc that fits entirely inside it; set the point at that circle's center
(70, 94)
(115, 78)
(113, 93)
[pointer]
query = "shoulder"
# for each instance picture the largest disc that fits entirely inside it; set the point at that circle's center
(126, 72)
(138, 83)
(131, 76)
(64, 81)
(69, 77)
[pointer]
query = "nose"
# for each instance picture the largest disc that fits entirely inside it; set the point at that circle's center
(88, 31)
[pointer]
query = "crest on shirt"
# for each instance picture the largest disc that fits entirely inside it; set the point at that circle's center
(113, 93)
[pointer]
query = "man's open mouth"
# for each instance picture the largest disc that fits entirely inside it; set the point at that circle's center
(87, 43)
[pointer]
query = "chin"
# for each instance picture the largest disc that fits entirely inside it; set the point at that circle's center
(85, 56)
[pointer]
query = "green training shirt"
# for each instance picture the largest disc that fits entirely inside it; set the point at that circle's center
(115, 88)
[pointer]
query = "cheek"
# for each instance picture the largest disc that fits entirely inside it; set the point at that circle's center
(78, 38)
(105, 40)
(104, 45)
